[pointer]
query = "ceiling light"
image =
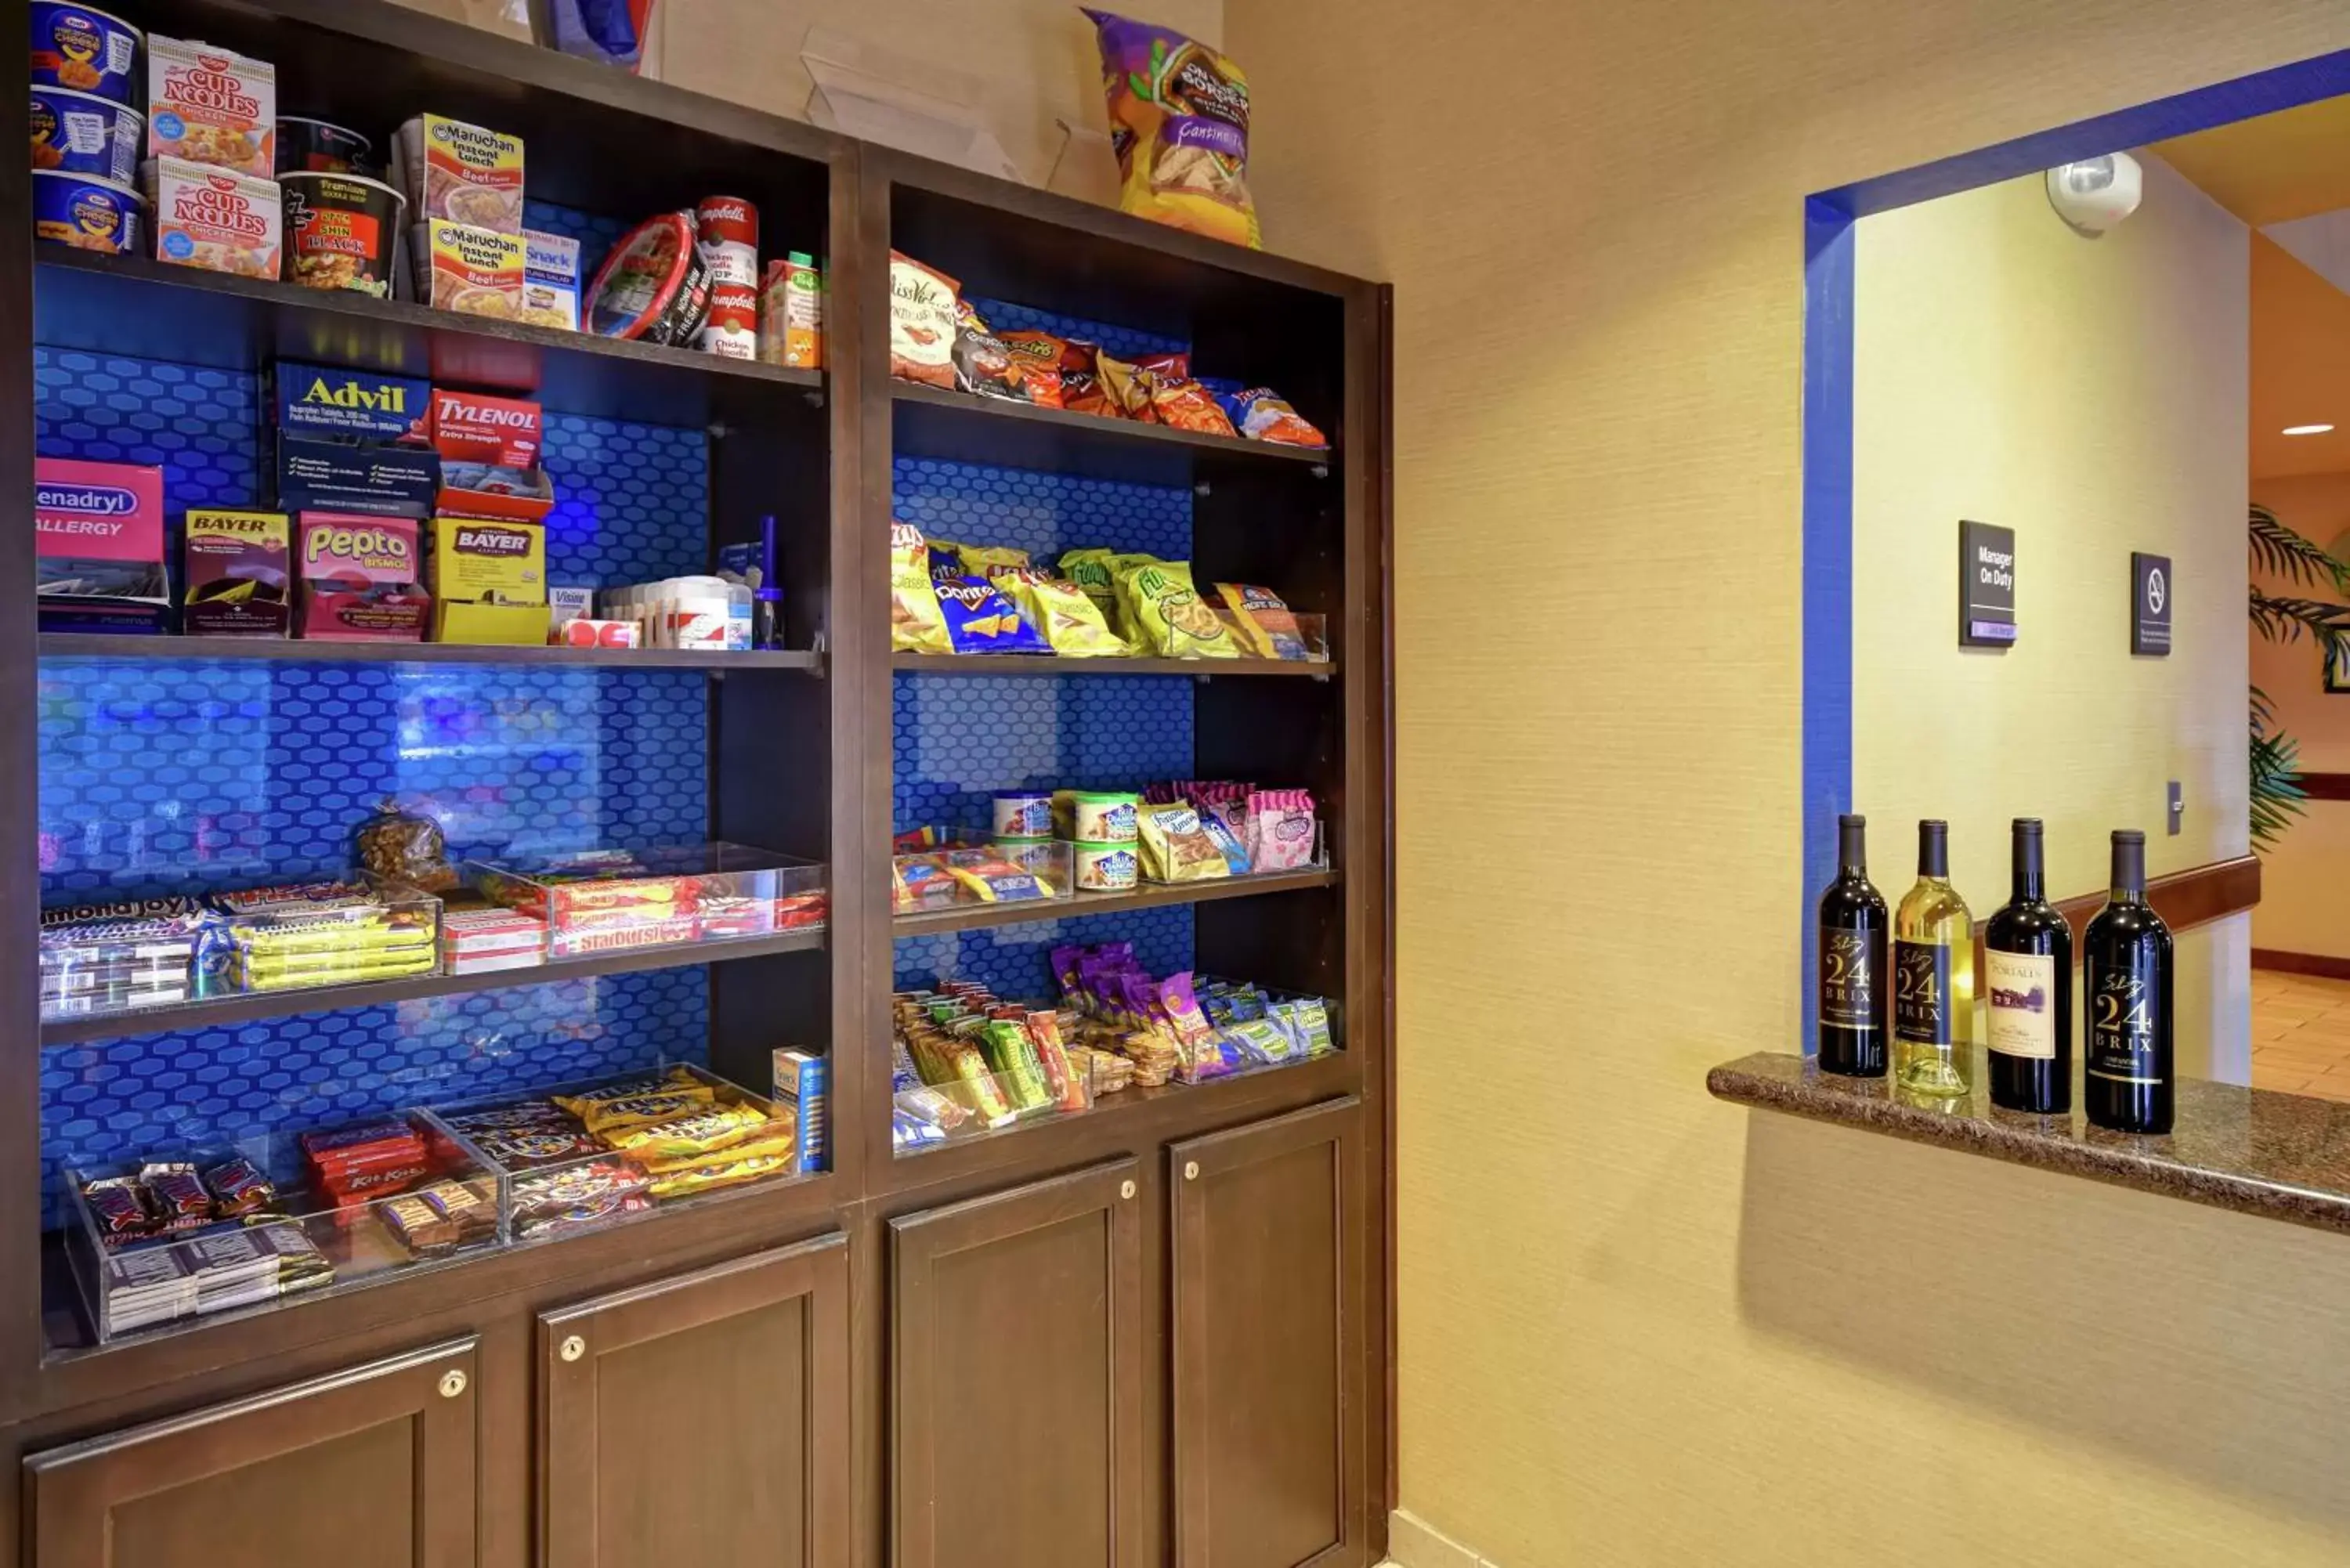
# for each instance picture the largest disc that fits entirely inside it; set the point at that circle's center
(2307, 430)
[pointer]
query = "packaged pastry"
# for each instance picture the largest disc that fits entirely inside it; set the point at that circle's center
(1280, 829)
(1263, 622)
(980, 620)
(1176, 848)
(921, 323)
(1181, 403)
(1166, 613)
(983, 364)
(1179, 111)
(917, 624)
(1067, 617)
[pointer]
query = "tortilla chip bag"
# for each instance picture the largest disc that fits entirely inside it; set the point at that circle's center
(1265, 623)
(1060, 610)
(980, 620)
(1166, 613)
(1179, 114)
(917, 625)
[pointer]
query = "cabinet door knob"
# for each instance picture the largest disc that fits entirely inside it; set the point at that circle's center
(1191, 1170)
(574, 1348)
(1125, 1189)
(452, 1383)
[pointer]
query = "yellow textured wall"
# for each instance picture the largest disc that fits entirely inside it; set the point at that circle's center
(2090, 394)
(2305, 879)
(1638, 1326)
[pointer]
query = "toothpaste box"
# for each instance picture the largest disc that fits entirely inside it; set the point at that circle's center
(239, 574)
(473, 427)
(802, 1081)
(99, 536)
(356, 405)
(318, 474)
(550, 280)
(358, 576)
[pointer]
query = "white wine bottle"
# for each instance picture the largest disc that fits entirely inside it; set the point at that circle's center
(1933, 977)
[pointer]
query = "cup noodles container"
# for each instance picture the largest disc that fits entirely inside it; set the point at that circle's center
(358, 576)
(728, 230)
(461, 173)
(214, 219)
(320, 147)
(212, 106)
(550, 281)
(473, 272)
(340, 231)
(83, 133)
(86, 211)
(86, 51)
(97, 532)
(654, 286)
(238, 576)
(733, 330)
(473, 427)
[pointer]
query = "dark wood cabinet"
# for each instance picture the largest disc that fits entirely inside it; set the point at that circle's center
(1266, 1281)
(372, 1467)
(1017, 1378)
(700, 1418)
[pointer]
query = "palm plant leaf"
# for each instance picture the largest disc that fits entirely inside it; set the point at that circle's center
(2282, 619)
(2282, 553)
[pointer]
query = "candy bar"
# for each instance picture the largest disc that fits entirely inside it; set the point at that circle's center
(238, 1186)
(300, 1265)
(710, 1130)
(703, 1178)
(177, 1195)
(525, 1147)
(610, 1117)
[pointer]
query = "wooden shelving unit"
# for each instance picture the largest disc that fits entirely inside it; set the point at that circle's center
(835, 1312)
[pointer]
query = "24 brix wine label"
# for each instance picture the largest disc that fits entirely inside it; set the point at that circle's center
(1848, 979)
(2123, 1041)
(1921, 992)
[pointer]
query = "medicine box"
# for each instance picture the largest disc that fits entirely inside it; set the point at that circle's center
(239, 574)
(487, 563)
(99, 536)
(314, 400)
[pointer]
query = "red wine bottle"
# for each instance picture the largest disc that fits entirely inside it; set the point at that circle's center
(2028, 976)
(2129, 1083)
(1853, 995)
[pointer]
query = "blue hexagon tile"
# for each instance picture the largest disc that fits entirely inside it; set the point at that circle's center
(1014, 961)
(956, 739)
(195, 1087)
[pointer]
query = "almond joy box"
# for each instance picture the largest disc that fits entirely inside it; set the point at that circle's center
(359, 578)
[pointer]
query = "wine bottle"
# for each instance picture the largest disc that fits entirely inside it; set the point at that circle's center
(2126, 969)
(1933, 976)
(1853, 991)
(2028, 978)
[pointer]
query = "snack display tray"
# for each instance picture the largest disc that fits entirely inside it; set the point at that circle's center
(1054, 664)
(964, 1093)
(244, 1006)
(1148, 895)
(964, 427)
(753, 880)
(130, 305)
(282, 649)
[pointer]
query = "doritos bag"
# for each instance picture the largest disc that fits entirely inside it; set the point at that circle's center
(1178, 116)
(980, 621)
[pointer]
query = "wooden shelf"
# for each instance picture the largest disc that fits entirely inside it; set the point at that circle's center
(1053, 664)
(962, 427)
(133, 306)
(246, 1007)
(1150, 896)
(294, 651)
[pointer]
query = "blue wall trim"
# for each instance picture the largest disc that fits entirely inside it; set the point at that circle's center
(1828, 279)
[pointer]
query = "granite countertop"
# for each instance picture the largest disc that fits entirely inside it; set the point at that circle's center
(2286, 1157)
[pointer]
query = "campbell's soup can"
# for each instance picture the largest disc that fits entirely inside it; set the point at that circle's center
(728, 229)
(733, 331)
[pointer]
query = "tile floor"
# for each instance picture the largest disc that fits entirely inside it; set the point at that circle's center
(2301, 1033)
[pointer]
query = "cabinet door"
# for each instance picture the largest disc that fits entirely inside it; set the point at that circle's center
(702, 1419)
(1017, 1378)
(372, 1468)
(1268, 1399)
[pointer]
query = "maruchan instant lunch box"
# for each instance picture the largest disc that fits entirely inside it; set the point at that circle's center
(85, 50)
(315, 147)
(82, 133)
(654, 286)
(340, 230)
(86, 211)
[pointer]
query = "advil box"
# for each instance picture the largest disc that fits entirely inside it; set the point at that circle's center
(357, 405)
(99, 533)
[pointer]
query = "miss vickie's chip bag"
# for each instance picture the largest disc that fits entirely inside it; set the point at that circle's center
(1179, 117)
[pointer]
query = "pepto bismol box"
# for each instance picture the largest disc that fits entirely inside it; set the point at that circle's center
(360, 405)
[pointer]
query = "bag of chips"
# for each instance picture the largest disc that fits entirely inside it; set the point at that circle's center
(982, 363)
(1261, 414)
(1070, 620)
(1265, 623)
(979, 620)
(1043, 358)
(1178, 116)
(1165, 612)
(922, 304)
(1126, 387)
(982, 560)
(917, 625)
(1180, 401)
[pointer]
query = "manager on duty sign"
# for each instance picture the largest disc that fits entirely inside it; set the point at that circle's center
(1986, 586)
